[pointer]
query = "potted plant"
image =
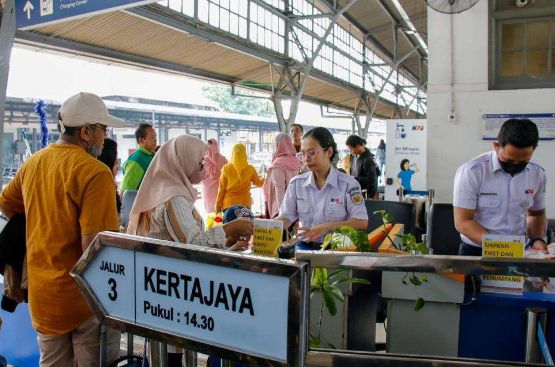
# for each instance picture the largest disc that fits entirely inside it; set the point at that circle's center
(327, 285)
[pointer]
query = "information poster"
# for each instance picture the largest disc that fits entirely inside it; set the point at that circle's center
(267, 237)
(545, 122)
(503, 247)
(405, 157)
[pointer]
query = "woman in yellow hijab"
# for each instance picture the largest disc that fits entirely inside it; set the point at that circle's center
(236, 179)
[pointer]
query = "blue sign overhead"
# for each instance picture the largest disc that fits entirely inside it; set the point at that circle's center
(33, 13)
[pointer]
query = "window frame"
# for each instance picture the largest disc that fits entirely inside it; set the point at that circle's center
(524, 81)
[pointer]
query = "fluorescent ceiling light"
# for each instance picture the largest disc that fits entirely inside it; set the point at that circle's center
(409, 24)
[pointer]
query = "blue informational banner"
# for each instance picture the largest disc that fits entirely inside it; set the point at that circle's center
(33, 13)
(544, 121)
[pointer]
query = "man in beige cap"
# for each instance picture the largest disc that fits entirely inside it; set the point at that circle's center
(67, 196)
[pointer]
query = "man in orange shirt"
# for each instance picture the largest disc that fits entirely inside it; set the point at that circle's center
(67, 196)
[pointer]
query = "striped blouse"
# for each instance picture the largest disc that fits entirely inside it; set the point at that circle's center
(178, 220)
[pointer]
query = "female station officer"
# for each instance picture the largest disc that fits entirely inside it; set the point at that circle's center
(323, 199)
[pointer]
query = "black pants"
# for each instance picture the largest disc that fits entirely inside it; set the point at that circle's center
(466, 250)
(472, 283)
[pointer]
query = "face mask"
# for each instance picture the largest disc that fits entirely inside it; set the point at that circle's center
(94, 151)
(198, 176)
(512, 168)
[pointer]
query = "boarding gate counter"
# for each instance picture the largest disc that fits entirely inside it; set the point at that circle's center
(255, 311)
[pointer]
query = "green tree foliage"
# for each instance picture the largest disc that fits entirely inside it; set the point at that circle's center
(234, 104)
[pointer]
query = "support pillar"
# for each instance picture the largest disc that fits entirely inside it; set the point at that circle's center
(259, 139)
(7, 35)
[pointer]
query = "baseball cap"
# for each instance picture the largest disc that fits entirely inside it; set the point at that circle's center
(86, 109)
(236, 212)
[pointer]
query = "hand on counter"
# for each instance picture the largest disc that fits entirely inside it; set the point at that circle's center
(308, 234)
(541, 246)
(240, 246)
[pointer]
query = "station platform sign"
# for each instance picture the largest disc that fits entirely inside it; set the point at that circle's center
(239, 307)
(34, 13)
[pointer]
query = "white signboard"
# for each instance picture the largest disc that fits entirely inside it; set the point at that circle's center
(405, 156)
(221, 306)
(544, 121)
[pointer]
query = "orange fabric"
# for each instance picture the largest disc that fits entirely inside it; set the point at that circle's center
(240, 192)
(65, 194)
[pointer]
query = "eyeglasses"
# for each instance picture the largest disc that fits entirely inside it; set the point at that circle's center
(105, 129)
(311, 154)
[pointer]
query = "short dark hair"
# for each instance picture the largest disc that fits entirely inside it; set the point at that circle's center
(520, 133)
(141, 131)
(403, 164)
(324, 138)
(299, 126)
(69, 130)
(355, 140)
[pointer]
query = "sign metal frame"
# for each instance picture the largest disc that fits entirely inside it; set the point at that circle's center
(297, 272)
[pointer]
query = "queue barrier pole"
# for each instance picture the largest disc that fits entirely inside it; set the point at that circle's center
(534, 315)
(130, 344)
(401, 194)
(103, 345)
(190, 358)
(163, 355)
(155, 353)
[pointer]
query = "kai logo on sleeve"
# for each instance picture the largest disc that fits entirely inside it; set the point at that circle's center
(356, 196)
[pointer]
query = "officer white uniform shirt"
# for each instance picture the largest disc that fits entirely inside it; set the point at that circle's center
(340, 199)
(500, 200)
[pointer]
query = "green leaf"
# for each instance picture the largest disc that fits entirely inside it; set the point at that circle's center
(314, 289)
(351, 280)
(422, 248)
(336, 292)
(414, 280)
(319, 277)
(382, 212)
(388, 218)
(424, 278)
(349, 232)
(419, 304)
(315, 342)
(332, 346)
(336, 273)
(329, 302)
(362, 243)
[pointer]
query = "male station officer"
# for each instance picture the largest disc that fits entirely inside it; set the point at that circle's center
(501, 192)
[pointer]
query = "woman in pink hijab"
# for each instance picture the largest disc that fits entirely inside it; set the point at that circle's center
(214, 162)
(285, 166)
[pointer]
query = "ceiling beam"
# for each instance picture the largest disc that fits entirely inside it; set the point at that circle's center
(399, 23)
(40, 41)
(329, 4)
